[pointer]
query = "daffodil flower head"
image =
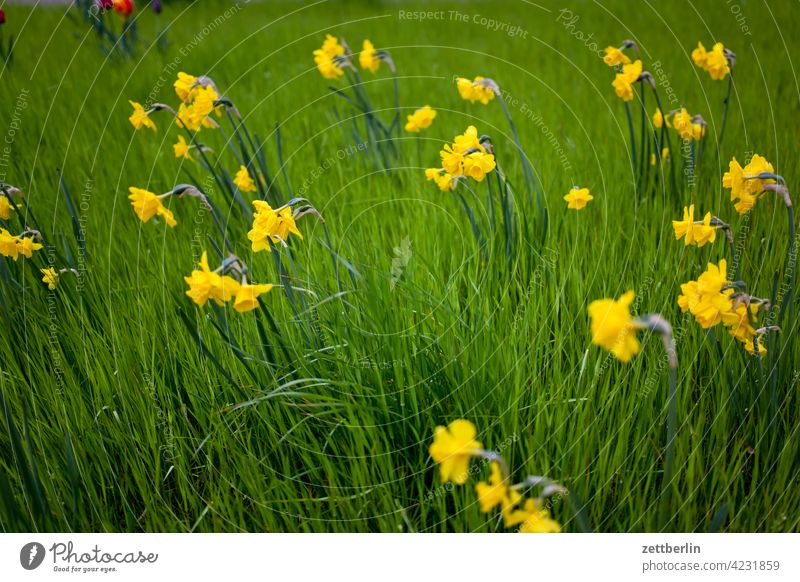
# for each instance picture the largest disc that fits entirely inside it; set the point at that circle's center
(205, 284)
(613, 328)
(420, 119)
(146, 205)
(368, 58)
(244, 181)
(623, 81)
(615, 57)
(140, 118)
(271, 226)
(452, 449)
(5, 207)
(327, 58)
(50, 277)
(182, 149)
(578, 198)
(247, 296)
(185, 86)
(475, 90)
(492, 494)
(477, 164)
(744, 186)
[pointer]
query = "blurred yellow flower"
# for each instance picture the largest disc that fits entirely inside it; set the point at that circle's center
(184, 86)
(325, 58)
(368, 58)
(623, 82)
(26, 246)
(243, 181)
(181, 149)
(715, 62)
(8, 244)
(578, 198)
(613, 328)
(452, 449)
(247, 297)
(5, 207)
(474, 91)
(140, 118)
(146, 205)
(491, 494)
(420, 119)
(50, 277)
(443, 180)
(614, 57)
(538, 519)
(682, 122)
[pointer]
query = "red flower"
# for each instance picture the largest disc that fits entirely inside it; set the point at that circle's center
(2, 16)
(105, 4)
(124, 7)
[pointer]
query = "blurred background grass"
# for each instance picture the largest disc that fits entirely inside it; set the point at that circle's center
(119, 415)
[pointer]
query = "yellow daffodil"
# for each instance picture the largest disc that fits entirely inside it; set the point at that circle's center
(140, 118)
(247, 297)
(325, 58)
(368, 58)
(538, 519)
(243, 181)
(8, 244)
(682, 122)
(452, 449)
(467, 141)
(420, 119)
(442, 179)
(270, 225)
(744, 187)
(714, 62)
(613, 328)
(491, 494)
(5, 207)
(749, 345)
(664, 156)
(692, 233)
(182, 149)
(614, 57)
(473, 91)
(451, 160)
(704, 298)
(578, 198)
(623, 82)
(659, 119)
(699, 55)
(50, 277)
(205, 284)
(184, 86)
(477, 164)
(27, 245)
(146, 205)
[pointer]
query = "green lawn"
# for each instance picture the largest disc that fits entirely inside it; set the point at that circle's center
(114, 420)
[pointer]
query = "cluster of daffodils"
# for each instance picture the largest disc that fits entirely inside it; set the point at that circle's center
(453, 449)
(205, 284)
(479, 89)
(199, 99)
(333, 56)
(24, 244)
(421, 119)
(712, 300)
(745, 184)
(717, 62)
(467, 156)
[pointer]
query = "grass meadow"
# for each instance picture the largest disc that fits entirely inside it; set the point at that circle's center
(128, 408)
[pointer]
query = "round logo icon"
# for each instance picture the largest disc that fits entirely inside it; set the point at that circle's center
(31, 555)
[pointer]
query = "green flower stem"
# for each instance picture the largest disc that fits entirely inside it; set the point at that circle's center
(632, 132)
(725, 111)
(669, 141)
